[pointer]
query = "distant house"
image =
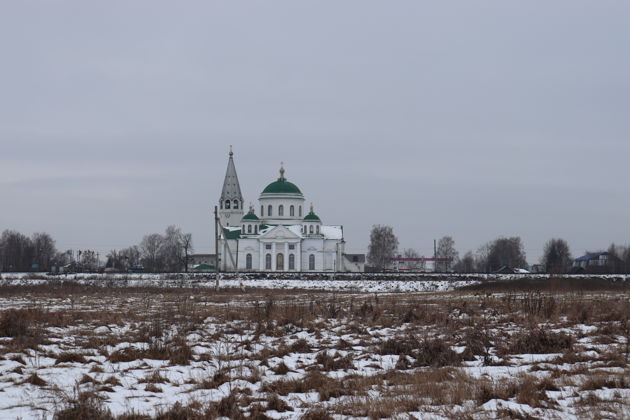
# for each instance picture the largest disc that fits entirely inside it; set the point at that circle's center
(203, 267)
(354, 263)
(195, 260)
(511, 270)
(594, 261)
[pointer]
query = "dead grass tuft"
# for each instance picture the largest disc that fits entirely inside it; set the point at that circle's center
(540, 341)
(34, 379)
(276, 403)
(70, 357)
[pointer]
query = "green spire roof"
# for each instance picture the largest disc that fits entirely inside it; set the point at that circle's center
(282, 186)
(251, 215)
(312, 216)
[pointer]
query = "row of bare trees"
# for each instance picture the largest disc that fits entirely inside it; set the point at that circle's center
(502, 252)
(168, 252)
(383, 248)
(19, 252)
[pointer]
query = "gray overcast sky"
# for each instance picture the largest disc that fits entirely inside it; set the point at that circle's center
(473, 119)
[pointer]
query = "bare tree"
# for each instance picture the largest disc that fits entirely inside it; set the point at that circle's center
(466, 264)
(171, 252)
(415, 263)
(383, 246)
(187, 245)
(65, 258)
(556, 256)
(16, 251)
(150, 248)
(446, 251)
(88, 260)
(508, 252)
(44, 250)
(481, 258)
(131, 257)
(618, 258)
(626, 259)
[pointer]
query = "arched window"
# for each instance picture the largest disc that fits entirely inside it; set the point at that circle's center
(311, 262)
(248, 261)
(280, 261)
(300, 211)
(243, 230)
(310, 229)
(280, 210)
(291, 261)
(235, 204)
(221, 204)
(255, 229)
(304, 229)
(262, 211)
(269, 210)
(227, 204)
(249, 228)
(292, 211)
(268, 262)
(317, 228)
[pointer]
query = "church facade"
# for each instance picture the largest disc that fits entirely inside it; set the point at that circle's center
(282, 236)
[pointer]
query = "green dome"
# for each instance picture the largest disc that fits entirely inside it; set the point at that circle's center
(282, 186)
(312, 216)
(250, 216)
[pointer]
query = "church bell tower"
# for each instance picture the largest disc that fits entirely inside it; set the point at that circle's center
(231, 201)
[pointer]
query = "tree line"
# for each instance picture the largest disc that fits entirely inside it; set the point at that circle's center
(491, 257)
(167, 252)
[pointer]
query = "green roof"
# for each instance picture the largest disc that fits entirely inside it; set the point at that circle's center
(312, 216)
(231, 234)
(282, 186)
(250, 216)
(203, 267)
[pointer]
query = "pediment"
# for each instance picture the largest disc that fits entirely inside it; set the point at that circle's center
(279, 232)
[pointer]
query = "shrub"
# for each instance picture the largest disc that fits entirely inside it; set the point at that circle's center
(436, 353)
(334, 362)
(281, 369)
(316, 414)
(14, 324)
(540, 341)
(86, 405)
(276, 403)
(70, 357)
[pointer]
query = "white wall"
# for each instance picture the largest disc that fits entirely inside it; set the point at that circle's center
(287, 202)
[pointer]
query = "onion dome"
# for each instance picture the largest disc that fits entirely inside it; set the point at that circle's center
(282, 186)
(250, 215)
(311, 216)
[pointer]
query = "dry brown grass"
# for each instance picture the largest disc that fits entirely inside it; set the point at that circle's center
(254, 328)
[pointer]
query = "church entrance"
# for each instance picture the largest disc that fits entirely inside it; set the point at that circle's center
(280, 262)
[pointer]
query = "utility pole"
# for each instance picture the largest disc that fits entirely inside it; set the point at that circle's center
(435, 263)
(216, 247)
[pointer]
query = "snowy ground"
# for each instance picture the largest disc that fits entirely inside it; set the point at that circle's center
(281, 353)
(374, 286)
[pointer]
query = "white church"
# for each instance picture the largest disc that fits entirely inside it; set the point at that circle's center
(283, 236)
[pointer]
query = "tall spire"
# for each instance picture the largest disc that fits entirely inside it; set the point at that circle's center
(231, 187)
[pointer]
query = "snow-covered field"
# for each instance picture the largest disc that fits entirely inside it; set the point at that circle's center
(79, 351)
(374, 286)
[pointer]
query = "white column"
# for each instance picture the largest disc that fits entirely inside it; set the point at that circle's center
(298, 256)
(273, 256)
(261, 257)
(286, 256)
